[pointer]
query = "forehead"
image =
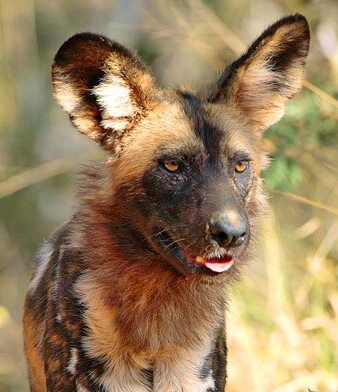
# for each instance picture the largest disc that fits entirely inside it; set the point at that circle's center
(185, 124)
(218, 128)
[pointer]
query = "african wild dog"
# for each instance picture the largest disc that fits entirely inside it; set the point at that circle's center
(129, 295)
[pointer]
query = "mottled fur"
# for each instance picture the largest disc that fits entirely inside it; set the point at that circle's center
(113, 306)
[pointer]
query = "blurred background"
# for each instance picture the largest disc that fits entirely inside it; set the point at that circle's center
(283, 317)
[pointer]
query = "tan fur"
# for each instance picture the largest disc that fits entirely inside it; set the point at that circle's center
(135, 346)
(33, 339)
(112, 308)
(164, 127)
(250, 94)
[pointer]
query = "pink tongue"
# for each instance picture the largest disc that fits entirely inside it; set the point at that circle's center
(219, 267)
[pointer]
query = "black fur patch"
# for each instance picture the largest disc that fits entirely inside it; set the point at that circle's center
(148, 376)
(211, 137)
(206, 368)
(219, 361)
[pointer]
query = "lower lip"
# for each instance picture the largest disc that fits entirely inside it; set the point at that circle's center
(218, 265)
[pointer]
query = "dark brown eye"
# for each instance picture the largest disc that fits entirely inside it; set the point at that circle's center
(171, 165)
(241, 166)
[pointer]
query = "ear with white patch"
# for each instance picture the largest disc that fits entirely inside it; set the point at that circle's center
(104, 88)
(258, 85)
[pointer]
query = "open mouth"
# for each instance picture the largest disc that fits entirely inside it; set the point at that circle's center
(193, 263)
(216, 264)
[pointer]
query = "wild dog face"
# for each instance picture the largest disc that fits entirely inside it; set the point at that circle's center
(186, 165)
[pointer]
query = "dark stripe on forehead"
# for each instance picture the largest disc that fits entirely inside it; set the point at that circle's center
(211, 136)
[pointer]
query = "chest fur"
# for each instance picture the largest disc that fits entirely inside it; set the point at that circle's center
(149, 319)
(159, 342)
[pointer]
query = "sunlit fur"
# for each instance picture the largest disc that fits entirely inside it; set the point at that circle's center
(108, 309)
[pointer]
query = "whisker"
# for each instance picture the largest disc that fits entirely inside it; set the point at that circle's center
(173, 243)
(168, 229)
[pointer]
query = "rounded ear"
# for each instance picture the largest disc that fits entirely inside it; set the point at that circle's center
(104, 88)
(259, 83)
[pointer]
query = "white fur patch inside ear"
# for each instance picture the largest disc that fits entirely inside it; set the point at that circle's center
(113, 95)
(66, 96)
(116, 124)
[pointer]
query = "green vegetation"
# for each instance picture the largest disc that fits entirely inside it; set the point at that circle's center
(283, 315)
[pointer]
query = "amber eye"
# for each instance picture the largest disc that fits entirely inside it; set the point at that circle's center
(171, 165)
(241, 166)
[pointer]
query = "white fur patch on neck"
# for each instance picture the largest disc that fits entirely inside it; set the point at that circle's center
(43, 259)
(73, 360)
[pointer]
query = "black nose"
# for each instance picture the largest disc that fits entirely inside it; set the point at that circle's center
(228, 228)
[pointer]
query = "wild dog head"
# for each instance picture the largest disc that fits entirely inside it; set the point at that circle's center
(185, 173)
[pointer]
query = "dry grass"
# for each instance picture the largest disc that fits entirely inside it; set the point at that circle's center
(283, 330)
(283, 317)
